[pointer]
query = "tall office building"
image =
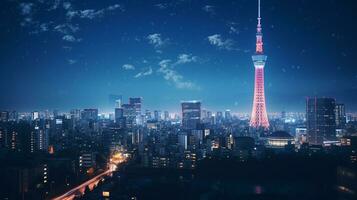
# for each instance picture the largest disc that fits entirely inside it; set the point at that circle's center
(183, 141)
(75, 114)
(166, 115)
(228, 115)
(119, 117)
(259, 117)
(41, 138)
(129, 112)
(35, 115)
(136, 102)
(4, 116)
(13, 116)
(115, 101)
(90, 114)
(157, 115)
(148, 115)
(340, 114)
(320, 120)
(191, 114)
(219, 117)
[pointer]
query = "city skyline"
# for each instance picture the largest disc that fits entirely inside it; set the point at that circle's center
(88, 51)
(179, 100)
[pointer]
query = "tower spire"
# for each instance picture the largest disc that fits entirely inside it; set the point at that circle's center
(259, 12)
(259, 116)
(259, 35)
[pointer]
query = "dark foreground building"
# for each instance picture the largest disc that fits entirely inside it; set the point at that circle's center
(320, 120)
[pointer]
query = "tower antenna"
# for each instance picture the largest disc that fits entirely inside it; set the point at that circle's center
(259, 117)
(258, 9)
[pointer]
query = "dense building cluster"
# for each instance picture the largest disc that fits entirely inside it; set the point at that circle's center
(51, 152)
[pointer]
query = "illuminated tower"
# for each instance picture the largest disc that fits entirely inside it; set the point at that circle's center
(259, 118)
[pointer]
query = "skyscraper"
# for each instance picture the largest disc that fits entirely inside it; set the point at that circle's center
(157, 115)
(320, 120)
(340, 114)
(129, 112)
(4, 116)
(119, 114)
(259, 116)
(166, 115)
(136, 102)
(41, 138)
(115, 100)
(90, 114)
(191, 114)
(228, 115)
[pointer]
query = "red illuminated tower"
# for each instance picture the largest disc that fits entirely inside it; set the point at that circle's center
(259, 118)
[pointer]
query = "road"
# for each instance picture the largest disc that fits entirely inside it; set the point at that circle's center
(93, 182)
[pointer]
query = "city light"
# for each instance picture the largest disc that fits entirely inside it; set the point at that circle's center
(162, 99)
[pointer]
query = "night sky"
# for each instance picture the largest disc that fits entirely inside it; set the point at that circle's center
(64, 54)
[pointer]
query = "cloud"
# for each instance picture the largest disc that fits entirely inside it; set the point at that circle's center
(218, 41)
(67, 5)
(44, 27)
(114, 7)
(72, 61)
(71, 38)
(172, 76)
(35, 19)
(55, 5)
(128, 67)
(144, 73)
(156, 40)
(161, 6)
(26, 8)
(92, 13)
(66, 28)
(233, 28)
(186, 58)
(209, 9)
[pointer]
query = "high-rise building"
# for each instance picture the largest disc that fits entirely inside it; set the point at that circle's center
(320, 120)
(129, 112)
(259, 117)
(90, 114)
(182, 140)
(157, 115)
(119, 117)
(191, 114)
(4, 116)
(75, 114)
(13, 116)
(228, 115)
(136, 102)
(115, 100)
(166, 115)
(41, 138)
(219, 117)
(148, 115)
(119, 113)
(35, 115)
(340, 114)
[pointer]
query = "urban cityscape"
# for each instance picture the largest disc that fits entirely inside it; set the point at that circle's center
(178, 127)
